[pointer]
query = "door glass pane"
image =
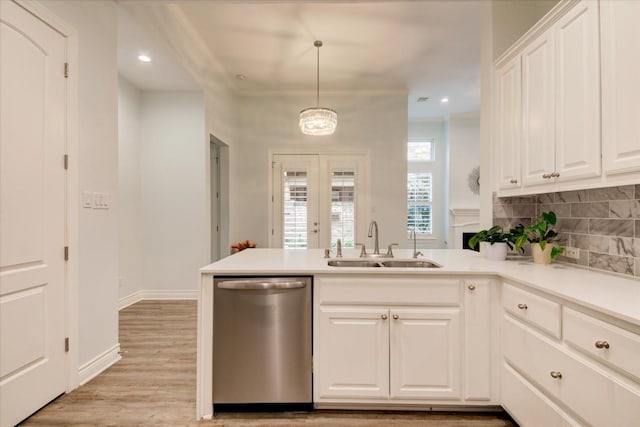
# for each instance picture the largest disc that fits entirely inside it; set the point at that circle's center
(343, 208)
(295, 209)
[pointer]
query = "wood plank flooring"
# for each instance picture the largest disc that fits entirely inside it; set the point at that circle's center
(154, 385)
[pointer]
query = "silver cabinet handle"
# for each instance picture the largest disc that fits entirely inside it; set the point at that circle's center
(383, 317)
(555, 175)
(260, 284)
(522, 306)
(396, 317)
(555, 375)
(546, 175)
(513, 181)
(602, 344)
(472, 287)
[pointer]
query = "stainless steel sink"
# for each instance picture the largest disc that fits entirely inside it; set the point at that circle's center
(352, 263)
(395, 263)
(410, 263)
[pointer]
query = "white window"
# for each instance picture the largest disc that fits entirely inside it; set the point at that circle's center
(295, 209)
(343, 208)
(421, 161)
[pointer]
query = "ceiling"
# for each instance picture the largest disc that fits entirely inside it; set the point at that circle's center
(423, 48)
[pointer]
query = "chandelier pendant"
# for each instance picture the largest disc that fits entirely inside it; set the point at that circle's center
(318, 120)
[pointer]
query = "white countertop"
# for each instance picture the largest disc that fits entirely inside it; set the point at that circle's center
(610, 294)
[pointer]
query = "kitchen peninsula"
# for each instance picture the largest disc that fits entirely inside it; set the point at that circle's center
(472, 333)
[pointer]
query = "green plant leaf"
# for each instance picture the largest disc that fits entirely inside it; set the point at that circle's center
(555, 251)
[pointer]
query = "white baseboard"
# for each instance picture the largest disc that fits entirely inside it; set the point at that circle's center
(98, 364)
(157, 295)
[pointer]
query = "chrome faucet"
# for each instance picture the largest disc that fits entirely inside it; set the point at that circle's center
(415, 251)
(373, 232)
(339, 248)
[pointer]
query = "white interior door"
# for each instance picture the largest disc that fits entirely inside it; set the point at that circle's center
(295, 201)
(32, 213)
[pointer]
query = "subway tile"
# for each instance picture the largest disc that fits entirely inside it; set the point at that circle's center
(522, 200)
(546, 198)
(562, 210)
(637, 233)
(617, 264)
(524, 211)
(584, 258)
(587, 242)
(590, 210)
(502, 211)
(572, 196)
(624, 192)
(624, 246)
(563, 239)
(637, 191)
(505, 223)
(637, 267)
(573, 225)
(611, 227)
(567, 260)
(624, 209)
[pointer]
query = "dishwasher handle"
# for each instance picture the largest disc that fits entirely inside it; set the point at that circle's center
(260, 284)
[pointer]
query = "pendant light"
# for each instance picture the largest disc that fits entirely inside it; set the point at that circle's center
(318, 120)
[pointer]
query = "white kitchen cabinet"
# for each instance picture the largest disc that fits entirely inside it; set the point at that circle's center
(353, 353)
(538, 109)
(424, 354)
(553, 354)
(479, 364)
(508, 116)
(620, 33)
(577, 93)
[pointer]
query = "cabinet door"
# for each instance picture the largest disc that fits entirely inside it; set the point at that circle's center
(352, 355)
(508, 122)
(620, 33)
(578, 93)
(538, 110)
(425, 353)
(479, 365)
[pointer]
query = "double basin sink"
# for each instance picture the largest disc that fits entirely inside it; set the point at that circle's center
(397, 263)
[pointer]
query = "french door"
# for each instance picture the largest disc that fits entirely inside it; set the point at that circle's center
(318, 199)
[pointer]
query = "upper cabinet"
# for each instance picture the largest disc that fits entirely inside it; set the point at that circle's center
(620, 34)
(558, 121)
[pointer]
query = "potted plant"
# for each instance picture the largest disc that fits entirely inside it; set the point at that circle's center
(493, 242)
(542, 237)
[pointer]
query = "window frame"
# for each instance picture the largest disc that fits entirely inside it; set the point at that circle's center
(422, 167)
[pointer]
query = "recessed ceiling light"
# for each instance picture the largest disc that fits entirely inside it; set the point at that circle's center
(422, 99)
(241, 77)
(444, 100)
(144, 58)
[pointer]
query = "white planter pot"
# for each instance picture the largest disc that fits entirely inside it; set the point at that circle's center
(497, 251)
(540, 256)
(483, 245)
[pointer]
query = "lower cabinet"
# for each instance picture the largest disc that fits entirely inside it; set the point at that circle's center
(404, 341)
(580, 373)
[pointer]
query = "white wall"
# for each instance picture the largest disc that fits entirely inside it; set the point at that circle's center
(95, 23)
(436, 130)
(374, 123)
(464, 155)
(129, 215)
(174, 200)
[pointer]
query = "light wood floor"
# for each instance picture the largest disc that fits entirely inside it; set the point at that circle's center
(154, 385)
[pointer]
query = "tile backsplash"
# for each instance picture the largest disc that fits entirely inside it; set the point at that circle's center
(603, 223)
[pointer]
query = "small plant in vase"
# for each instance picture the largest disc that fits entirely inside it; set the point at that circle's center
(542, 237)
(493, 242)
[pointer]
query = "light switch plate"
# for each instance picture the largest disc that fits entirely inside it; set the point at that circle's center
(570, 252)
(101, 200)
(87, 199)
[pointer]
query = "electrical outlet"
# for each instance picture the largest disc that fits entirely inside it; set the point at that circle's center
(570, 252)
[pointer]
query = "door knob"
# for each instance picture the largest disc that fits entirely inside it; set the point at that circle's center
(513, 181)
(396, 317)
(602, 344)
(472, 287)
(522, 306)
(555, 375)
(383, 317)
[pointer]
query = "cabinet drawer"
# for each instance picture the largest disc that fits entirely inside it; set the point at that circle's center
(527, 405)
(538, 311)
(587, 391)
(388, 291)
(604, 341)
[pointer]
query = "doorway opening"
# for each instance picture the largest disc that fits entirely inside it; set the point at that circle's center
(219, 196)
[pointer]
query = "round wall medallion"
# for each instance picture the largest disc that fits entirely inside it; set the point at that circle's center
(474, 180)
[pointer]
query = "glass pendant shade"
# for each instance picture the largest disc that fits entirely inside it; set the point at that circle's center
(318, 121)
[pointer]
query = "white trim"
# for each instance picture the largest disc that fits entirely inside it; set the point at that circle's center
(156, 295)
(98, 364)
(39, 10)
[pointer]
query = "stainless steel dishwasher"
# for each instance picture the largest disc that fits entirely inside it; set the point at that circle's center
(262, 343)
